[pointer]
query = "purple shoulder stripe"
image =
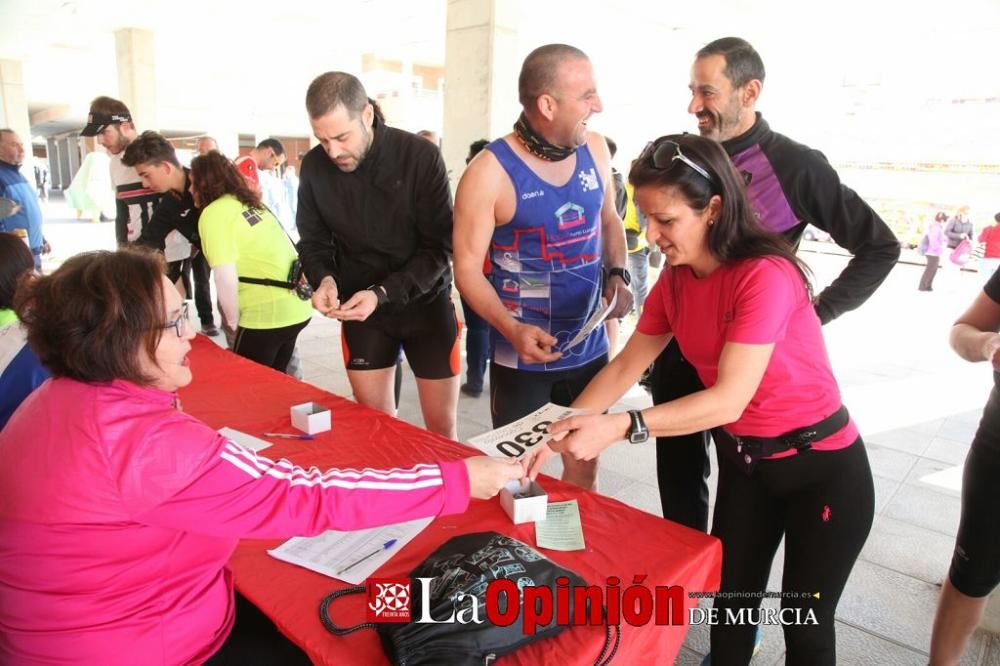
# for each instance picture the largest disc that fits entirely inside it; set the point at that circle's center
(764, 189)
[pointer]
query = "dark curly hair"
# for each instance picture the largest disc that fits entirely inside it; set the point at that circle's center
(92, 318)
(213, 176)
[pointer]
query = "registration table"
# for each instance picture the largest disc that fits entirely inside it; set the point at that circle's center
(620, 541)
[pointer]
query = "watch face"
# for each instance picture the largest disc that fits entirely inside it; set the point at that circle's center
(623, 274)
(638, 437)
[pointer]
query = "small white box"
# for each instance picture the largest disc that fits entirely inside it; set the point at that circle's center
(311, 417)
(524, 505)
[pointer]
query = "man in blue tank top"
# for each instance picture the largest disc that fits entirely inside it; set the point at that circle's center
(539, 205)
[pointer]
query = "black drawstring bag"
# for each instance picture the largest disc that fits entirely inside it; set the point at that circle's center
(467, 564)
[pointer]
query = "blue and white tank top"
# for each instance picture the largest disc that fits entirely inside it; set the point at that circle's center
(546, 262)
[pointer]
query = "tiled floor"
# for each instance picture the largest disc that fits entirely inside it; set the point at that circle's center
(916, 403)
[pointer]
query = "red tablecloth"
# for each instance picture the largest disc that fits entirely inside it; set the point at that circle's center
(621, 541)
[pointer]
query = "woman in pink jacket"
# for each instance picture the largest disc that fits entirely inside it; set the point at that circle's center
(932, 249)
(118, 511)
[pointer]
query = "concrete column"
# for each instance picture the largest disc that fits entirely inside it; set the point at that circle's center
(73, 152)
(14, 110)
(480, 94)
(137, 75)
(55, 178)
(65, 175)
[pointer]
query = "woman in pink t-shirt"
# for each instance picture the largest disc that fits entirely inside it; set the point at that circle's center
(791, 462)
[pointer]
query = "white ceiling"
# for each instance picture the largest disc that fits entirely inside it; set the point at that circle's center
(861, 78)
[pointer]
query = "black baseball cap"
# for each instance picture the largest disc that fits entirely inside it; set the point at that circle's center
(96, 122)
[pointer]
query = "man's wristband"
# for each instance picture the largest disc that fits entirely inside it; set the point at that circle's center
(379, 291)
(622, 273)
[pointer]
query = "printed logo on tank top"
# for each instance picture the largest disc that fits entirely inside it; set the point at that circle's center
(588, 180)
(570, 215)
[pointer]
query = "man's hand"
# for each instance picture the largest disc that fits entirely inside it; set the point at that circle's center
(46, 248)
(326, 299)
(584, 437)
(357, 308)
(534, 460)
(533, 344)
(488, 476)
(616, 286)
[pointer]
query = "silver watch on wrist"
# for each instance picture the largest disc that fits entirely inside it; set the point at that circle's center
(637, 432)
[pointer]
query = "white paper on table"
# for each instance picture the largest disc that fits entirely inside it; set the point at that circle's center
(515, 439)
(332, 550)
(244, 440)
(561, 529)
(595, 320)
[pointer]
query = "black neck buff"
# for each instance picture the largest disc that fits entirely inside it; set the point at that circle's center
(537, 145)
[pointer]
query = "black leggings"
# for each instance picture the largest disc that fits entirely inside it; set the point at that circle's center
(255, 641)
(682, 465)
(927, 277)
(823, 503)
(202, 289)
(975, 564)
(268, 346)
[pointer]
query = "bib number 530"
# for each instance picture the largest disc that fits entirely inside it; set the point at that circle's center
(524, 440)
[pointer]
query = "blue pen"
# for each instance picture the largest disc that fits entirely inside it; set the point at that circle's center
(386, 546)
(286, 435)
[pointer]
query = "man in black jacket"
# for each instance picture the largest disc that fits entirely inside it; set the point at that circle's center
(375, 223)
(790, 186)
(156, 163)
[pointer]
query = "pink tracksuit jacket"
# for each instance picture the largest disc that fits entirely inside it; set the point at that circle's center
(118, 514)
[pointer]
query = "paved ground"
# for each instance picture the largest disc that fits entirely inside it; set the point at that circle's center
(917, 405)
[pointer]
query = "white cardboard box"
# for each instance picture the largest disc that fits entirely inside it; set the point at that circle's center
(524, 506)
(311, 417)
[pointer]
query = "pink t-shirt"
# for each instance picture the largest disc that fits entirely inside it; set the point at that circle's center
(118, 514)
(754, 301)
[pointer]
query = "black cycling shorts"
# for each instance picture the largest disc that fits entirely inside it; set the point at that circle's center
(517, 393)
(427, 332)
(975, 564)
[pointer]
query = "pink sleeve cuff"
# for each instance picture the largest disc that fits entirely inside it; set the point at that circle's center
(455, 475)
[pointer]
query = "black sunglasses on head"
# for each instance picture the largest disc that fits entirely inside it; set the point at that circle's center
(664, 154)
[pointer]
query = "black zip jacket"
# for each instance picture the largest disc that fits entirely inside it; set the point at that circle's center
(386, 223)
(791, 185)
(175, 211)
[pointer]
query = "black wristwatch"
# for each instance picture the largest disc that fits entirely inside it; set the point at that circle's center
(638, 432)
(380, 294)
(622, 273)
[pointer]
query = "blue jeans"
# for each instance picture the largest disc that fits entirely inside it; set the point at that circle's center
(477, 346)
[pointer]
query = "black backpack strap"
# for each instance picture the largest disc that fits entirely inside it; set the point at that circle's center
(324, 615)
(267, 282)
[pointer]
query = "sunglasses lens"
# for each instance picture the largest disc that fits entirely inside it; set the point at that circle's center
(663, 155)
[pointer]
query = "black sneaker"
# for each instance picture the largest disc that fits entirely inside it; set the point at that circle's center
(209, 329)
(471, 391)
